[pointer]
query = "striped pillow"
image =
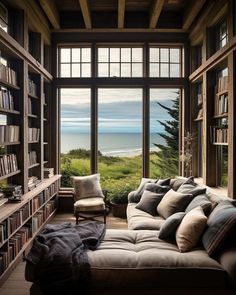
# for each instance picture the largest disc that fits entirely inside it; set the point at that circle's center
(220, 223)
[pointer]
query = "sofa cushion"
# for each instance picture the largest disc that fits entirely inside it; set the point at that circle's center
(200, 200)
(148, 261)
(190, 187)
(164, 181)
(190, 229)
(138, 193)
(149, 202)
(157, 188)
(221, 222)
(169, 227)
(177, 182)
(173, 202)
(138, 219)
(87, 186)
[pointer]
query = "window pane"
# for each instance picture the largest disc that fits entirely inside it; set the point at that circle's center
(164, 54)
(154, 54)
(75, 70)
(154, 70)
(125, 54)
(164, 70)
(120, 139)
(137, 54)
(174, 70)
(164, 154)
(75, 54)
(65, 70)
(174, 55)
(86, 70)
(125, 70)
(137, 70)
(114, 54)
(114, 70)
(103, 70)
(65, 55)
(86, 54)
(75, 133)
(103, 54)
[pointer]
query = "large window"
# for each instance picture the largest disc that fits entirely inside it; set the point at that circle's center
(74, 62)
(120, 62)
(165, 62)
(75, 133)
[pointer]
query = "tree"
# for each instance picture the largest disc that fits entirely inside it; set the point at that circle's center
(168, 156)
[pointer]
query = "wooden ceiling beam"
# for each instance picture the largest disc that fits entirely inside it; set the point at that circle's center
(191, 12)
(51, 11)
(155, 13)
(121, 14)
(85, 9)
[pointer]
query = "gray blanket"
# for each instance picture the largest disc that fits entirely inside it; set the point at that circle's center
(58, 256)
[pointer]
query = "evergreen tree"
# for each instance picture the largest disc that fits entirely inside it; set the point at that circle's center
(168, 156)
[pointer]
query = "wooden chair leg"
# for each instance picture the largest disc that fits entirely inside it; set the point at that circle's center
(77, 218)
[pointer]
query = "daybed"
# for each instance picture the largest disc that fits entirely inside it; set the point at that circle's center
(139, 262)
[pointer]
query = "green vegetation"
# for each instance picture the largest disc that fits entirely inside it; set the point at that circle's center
(119, 175)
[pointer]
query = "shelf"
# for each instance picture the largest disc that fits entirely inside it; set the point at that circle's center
(9, 175)
(30, 142)
(45, 143)
(44, 119)
(33, 96)
(225, 115)
(45, 162)
(9, 85)
(8, 111)
(220, 143)
(10, 143)
(198, 119)
(222, 92)
(33, 165)
(33, 116)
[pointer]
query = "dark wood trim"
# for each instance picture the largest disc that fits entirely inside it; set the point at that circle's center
(155, 12)
(146, 132)
(121, 13)
(94, 130)
(191, 12)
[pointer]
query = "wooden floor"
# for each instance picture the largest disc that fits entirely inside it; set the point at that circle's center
(16, 284)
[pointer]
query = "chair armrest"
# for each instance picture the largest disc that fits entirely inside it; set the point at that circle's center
(228, 260)
(131, 197)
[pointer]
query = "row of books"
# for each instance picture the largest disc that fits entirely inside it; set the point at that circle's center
(8, 164)
(4, 260)
(33, 181)
(33, 134)
(32, 87)
(219, 134)
(18, 217)
(49, 191)
(6, 99)
(9, 133)
(48, 172)
(39, 217)
(8, 75)
(32, 158)
(222, 84)
(38, 201)
(3, 231)
(17, 242)
(221, 104)
(30, 106)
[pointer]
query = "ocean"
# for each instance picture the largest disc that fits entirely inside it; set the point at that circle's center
(110, 144)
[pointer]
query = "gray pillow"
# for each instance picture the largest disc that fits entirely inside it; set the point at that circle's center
(169, 227)
(190, 187)
(138, 193)
(173, 202)
(221, 223)
(149, 202)
(200, 200)
(163, 181)
(176, 183)
(156, 188)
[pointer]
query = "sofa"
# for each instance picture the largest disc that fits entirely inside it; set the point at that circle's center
(137, 261)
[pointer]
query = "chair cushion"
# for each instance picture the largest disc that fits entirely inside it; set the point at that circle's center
(87, 186)
(89, 204)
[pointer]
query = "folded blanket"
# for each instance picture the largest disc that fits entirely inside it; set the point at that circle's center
(58, 256)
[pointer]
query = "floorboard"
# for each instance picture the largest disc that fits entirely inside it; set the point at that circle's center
(16, 284)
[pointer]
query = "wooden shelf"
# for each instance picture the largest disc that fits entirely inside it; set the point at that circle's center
(9, 175)
(9, 85)
(45, 162)
(220, 143)
(8, 111)
(10, 143)
(33, 116)
(225, 115)
(44, 119)
(33, 165)
(33, 96)
(45, 143)
(222, 92)
(31, 142)
(198, 119)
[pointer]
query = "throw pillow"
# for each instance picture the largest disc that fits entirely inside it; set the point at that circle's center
(200, 200)
(87, 186)
(221, 222)
(156, 188)
(190, 187)
(163, 181)
(177, 182)
(138, 193)
(169, 227)
(149, 201)
(173, 202)
(190, 229)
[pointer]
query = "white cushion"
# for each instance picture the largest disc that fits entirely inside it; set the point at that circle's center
(89, 204)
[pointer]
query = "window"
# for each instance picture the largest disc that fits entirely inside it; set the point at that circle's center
(74, 62)
(222, 34)
(120, 62)
(3, 17)
(164, 62)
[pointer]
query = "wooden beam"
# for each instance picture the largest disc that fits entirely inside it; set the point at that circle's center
(191, 12)
(86, 13)
(121, 14)
(155, 13)
(51, 11)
